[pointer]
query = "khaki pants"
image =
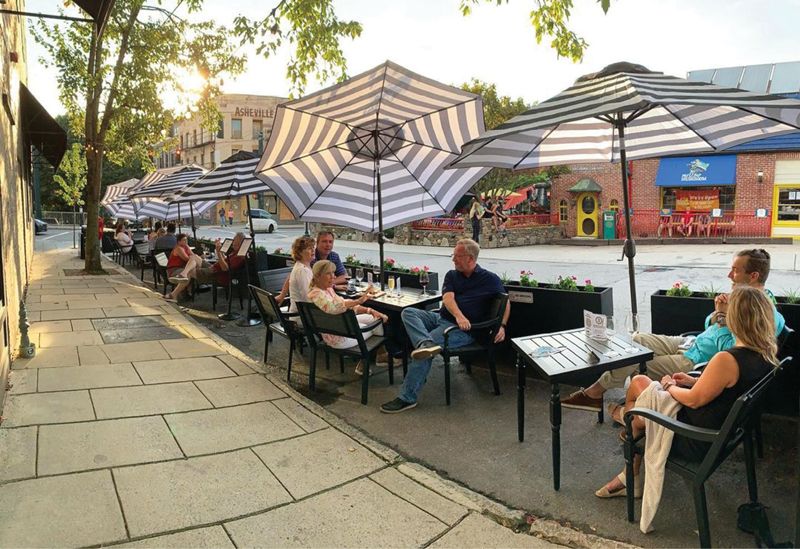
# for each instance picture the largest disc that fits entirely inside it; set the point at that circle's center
(667, 359)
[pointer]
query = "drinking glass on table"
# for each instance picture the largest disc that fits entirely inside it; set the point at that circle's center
(391, 286)
(423, 281)
(376, 276)
(359, 276)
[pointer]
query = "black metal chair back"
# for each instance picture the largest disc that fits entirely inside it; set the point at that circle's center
(344, 325)
(267, 306)
(273, 279)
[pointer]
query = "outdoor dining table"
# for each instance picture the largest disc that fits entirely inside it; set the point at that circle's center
(576, 358)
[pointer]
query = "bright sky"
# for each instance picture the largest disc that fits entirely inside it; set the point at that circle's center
(497, 44)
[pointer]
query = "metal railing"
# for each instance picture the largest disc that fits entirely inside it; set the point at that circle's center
(529, 220)
(64, 218)
(452, 224)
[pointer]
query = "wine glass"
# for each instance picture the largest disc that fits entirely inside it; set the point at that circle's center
(610, 328)
(423, 281)
(376, 276)
(359, 276)
(391, 285)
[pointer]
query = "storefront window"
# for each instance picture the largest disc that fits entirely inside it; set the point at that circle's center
(614, 205)
(562, 211)
(699, 198)
(788, 207)
(257, 127)
(236, 128)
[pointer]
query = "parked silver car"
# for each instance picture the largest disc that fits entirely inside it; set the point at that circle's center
(262, 221)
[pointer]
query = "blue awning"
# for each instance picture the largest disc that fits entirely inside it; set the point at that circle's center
(697, 171)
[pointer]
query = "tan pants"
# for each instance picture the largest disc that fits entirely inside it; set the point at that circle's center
(667, 359)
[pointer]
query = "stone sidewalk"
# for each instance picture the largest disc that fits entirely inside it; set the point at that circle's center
(135, 425)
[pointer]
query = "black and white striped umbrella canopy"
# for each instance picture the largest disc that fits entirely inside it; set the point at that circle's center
(627, 112)
(162, 209)
(123, 208)
(661, 115)
(376, 143)
(235, 176)
(170, 184)
(117, 190)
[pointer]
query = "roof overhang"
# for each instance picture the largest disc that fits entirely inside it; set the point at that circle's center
(98, 9)
(41, 130)
(586, 185)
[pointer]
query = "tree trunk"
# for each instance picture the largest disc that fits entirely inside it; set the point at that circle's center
(94, 172)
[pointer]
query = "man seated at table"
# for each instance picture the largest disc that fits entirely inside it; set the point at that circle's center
(686, 223)
(168, 241)
(467, 294)
(323, 250)
(204, 272)
(673, 354)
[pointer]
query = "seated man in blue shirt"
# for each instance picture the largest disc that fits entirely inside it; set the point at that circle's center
(467, 294)
(324, 250)
(674, 354)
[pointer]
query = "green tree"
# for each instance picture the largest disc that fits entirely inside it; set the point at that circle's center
(550, 18)
(71, 176)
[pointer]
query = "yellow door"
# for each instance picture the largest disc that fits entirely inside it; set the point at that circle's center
(587, 214)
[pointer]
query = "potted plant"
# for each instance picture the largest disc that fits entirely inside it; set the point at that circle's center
(409, 276)
(538, 308)
(278, 259)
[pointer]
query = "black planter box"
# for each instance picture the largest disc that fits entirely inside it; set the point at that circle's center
(672, 315)
(545, 309)
(676, 315)
(277, 261)
(407, 280)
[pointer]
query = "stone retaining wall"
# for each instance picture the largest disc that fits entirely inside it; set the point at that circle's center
(405, 234)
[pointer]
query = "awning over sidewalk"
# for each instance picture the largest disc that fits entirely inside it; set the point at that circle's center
(98, 9)
(696, 171)
(41, 129)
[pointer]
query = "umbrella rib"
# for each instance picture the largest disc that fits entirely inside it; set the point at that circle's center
(534, 147)
(417, 180)
(767, 117)
(312, 153)
(333, 179)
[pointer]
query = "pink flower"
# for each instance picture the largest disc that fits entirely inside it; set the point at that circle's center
(574, 277)
(587, 281)
(426, 268)
(414, 269)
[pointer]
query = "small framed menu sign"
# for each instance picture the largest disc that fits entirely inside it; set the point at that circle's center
(595, 325)
(245, 247)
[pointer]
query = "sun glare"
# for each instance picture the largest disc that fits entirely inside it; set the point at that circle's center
(182, 97)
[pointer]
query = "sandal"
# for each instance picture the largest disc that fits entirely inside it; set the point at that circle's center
(638, 488)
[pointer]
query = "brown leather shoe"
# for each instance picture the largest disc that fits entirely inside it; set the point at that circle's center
(579, 400)
(382, 358)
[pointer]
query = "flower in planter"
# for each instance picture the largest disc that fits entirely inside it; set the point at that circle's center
(388, 263)
(416, 270)
(352, 260)
(279, 251)
(587, 285)
(679, 289)
(526, 279)
(567, 283)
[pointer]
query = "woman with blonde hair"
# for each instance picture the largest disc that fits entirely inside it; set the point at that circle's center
(323, 296)
(301, 276)
(706, 400)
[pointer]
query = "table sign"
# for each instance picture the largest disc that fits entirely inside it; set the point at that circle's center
(595, 325)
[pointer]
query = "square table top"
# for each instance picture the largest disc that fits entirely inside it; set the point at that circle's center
(409, 298)
(575, 360)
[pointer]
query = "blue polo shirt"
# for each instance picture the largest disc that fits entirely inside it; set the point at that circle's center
(473, 294)
(334, 258)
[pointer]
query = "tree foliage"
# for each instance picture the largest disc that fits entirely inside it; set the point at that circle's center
(71, 176)
(550, 19)
(312, 29)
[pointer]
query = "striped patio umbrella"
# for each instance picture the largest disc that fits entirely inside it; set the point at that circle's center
(166, 210)
(124, 208)
(370, 153)
(164, 189)
(117, 190)
(627, 112)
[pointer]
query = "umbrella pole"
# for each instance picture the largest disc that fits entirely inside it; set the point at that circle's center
(247, 321)
(629, 248)
(377, 171)
(180, 227)
(194, 229)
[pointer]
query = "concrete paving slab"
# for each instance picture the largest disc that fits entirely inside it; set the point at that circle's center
(135, 351)
(413, 492)
(148, 400)
(142, 301)
(72, 314)
(374, 518)
(93, 354)
(50, 327)
(195, 332)
(212, 537)
(97, 290)
(127, 323)
(113, 312)
(91, 304)
(61, 306)
(39, 408)
(182, 369)
(300, 415)
(191, 348)
(239, 390)
(110, 301)
(63, 511)
(236, 365)
(82, 325)
(17, 453)
(180, 494)
(173, 318)
(23, 381)
(154, 334)
(479, 531)
(344, 460)
(69, 339)
(101, 444)
(37, 316)
(49, 358)
(88, 377)
(224, 429)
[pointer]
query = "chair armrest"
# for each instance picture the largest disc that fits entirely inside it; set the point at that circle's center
(485, 324)
(678, 427)
(289, 315)
(372, 325)
(692, 333)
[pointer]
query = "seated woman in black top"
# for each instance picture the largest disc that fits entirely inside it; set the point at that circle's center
(707, 399)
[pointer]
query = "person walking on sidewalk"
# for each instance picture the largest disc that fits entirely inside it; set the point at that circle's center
(467, 294)
(221, 213)
(230, 216)
(673, 354)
